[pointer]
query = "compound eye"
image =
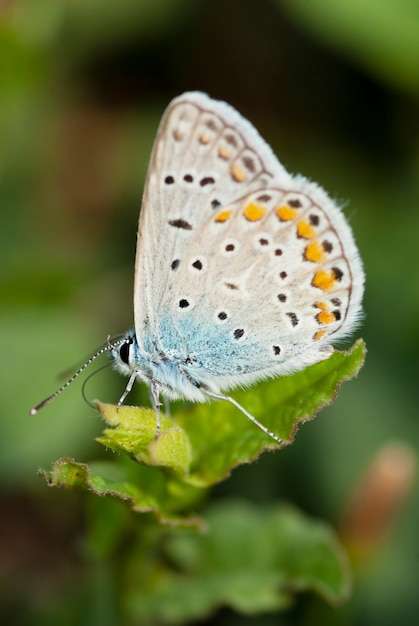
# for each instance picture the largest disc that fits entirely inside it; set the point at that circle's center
(124, 350)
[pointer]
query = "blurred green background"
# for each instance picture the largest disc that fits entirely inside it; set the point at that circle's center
(334, 88)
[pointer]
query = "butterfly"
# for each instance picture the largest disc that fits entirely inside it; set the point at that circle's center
(243, 271)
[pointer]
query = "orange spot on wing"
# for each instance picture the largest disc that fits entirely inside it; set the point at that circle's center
(286, 213)
(319, 334)
(224, 153)
(325, 316)
(204, 139)
(324, 279)
(254, 212)
(305, 230)
(314, 252)
(237, 173)
(223, 216)
(321, 305)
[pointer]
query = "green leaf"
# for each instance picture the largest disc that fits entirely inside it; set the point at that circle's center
(133, 431)
(222, 437)
(144, 489)
(250, 559)
(205, 442)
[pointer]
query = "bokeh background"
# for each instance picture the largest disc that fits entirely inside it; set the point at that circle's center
(334, 88)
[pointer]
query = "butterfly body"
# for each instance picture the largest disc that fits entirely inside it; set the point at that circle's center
(243, 271)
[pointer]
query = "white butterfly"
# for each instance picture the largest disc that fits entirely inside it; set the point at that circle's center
(242, 272)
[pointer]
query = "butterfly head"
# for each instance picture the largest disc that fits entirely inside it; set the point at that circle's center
(122, 353)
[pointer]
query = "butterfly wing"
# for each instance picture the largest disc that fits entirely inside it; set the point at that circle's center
(205, 156)
(243, 271)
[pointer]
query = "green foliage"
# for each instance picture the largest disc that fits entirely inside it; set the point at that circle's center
(204, 443)
(192, 573)
(380, 35)
(142, 488)
(250, 559)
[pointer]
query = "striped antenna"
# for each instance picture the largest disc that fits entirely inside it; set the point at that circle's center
(109, 346)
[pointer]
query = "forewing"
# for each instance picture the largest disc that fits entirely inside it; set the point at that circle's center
(205, 157)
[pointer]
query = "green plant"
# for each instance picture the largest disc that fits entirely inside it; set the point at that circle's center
(182, 565)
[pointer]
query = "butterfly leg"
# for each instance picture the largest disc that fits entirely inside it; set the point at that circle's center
(249, 416)
(157, 404)
(128, 388)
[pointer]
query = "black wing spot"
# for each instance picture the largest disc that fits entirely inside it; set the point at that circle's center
(207, 180)
(231, 140)
(249, 163)
(211, 124)
(293, 317)
(180, 224)
(264, 198)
